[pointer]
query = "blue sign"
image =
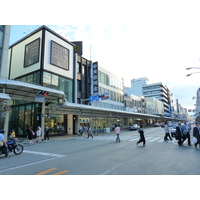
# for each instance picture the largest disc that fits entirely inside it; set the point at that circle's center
(94, 98)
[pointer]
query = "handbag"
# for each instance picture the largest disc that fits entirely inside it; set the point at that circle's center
(1, 144)
(194, 140)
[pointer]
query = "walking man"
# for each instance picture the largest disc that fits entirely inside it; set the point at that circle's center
(85, 131)
(167, 132)
(90, 132)
(186, 133)
(142, 138)
(196, 134)
(179, 132)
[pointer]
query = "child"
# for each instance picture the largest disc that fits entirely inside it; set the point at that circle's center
(142, 138)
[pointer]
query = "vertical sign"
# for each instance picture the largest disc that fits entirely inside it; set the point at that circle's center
(95, 78)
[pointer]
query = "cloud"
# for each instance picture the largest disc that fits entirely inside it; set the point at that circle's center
(159, 48)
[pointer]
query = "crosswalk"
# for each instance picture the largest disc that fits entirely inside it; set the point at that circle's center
(129, 138)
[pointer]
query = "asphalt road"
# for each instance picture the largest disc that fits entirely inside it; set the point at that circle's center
(104, 156)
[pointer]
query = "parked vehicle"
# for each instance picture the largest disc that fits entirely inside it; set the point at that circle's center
(173, 130)
(162, 125)
(156, 125)
(134, 127)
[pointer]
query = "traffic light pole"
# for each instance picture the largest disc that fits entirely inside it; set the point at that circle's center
(43, 119)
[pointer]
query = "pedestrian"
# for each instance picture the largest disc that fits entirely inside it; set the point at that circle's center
(46, 136)
(80, 130)
(196, 134)
(186, 133)
(62, 129)
(113, 127)
(90, 132)
(142, 138)
(30, 135)
(38, 134)
(179, 132)
(3, 143)
(166, 128)
(117, 131)
(85, 131)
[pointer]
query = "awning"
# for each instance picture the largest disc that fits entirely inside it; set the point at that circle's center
(91, 111)
(25, 91)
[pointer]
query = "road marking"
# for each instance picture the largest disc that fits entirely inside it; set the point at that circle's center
(113, 168)
(152, 140)
(60, 172)
(44, 172)
(44, 153)
(52, 157)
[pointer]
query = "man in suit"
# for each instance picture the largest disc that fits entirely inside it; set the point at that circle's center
(179, 131)
(186, 133)
(196, 134)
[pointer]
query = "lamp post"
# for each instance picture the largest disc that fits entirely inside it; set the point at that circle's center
(192, 72)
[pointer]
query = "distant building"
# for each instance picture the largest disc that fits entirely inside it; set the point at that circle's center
(136, 87)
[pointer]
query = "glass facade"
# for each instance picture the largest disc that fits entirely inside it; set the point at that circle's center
(59, 83)
(33, 78)
(110, 81)
(24, 114)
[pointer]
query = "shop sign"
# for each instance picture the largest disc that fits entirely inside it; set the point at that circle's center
(95, 77)
(7, 108)
(84, 120)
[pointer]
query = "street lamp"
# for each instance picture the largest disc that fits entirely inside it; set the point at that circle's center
(193, 72)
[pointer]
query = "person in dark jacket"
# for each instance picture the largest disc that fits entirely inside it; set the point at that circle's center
(142, 138)
(30, 135)
(179, 132)
(196, 134)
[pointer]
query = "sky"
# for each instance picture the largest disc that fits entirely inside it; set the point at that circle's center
(159, 40)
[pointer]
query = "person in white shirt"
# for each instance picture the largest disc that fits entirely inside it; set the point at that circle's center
(186, 133)
(166, 128)
(3, 142)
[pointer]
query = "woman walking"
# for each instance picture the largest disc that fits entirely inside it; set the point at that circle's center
(142, 138)
(117, 131)
(30, 135)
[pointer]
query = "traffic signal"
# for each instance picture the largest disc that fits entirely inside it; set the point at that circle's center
(42, 93)
(104, 96)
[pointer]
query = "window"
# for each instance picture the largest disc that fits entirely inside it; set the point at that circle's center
(47, 79)
(54, 83)
(59, 55)
(31, 54)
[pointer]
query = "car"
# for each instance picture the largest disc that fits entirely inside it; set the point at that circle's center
(134, 127)
(162, 125)
(156, 125)
(173, 130)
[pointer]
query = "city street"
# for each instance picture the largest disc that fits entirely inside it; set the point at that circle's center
(102, 155)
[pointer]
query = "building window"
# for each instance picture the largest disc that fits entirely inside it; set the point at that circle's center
(31, 54)
(47, 79)
(59, 55)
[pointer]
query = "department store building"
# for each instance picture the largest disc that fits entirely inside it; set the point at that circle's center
(44, 60)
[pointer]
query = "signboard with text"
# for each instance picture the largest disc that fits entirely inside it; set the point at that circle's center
(95, 78)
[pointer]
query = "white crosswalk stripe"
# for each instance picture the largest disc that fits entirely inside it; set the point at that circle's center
(127, 138)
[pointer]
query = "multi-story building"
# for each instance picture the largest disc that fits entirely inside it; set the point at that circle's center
(159, 91)
(44, 60)
(136, 87)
